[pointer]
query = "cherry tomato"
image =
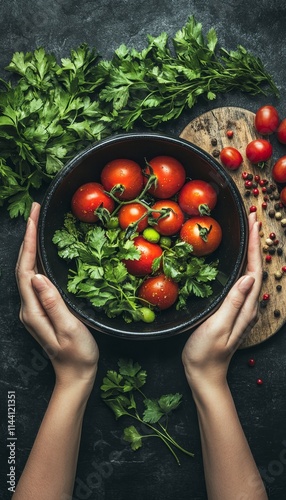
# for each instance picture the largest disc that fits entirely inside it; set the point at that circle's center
(149, 251)
(170, 174)
(159, 291)
(279, 170)
(131, 213)
(231, 158)
(258, 151)
(281, 132)
(266, 120)
(125, 173)
(283, 196)
(197, 197)
(87, 199)
(171, 223)
(203, 233)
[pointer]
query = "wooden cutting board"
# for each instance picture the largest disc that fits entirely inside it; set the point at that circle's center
(209, 132)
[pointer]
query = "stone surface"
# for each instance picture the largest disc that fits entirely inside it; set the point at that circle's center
(107, 469)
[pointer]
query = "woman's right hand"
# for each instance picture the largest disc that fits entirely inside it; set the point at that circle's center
(208, 351)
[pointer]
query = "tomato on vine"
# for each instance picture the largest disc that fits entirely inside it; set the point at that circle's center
(171, 222)
(148, 252)
(204, 233)
(197, 197)
(124, 177)
(170, 176)
(87, 198)
(160, 291)
(133, 213)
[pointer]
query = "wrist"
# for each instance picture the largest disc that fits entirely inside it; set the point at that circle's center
(77, 389)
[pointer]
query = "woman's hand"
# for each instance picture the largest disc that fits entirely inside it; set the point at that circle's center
(69, 344)
(208, 351)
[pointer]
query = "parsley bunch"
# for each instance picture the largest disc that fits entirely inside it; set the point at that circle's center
(98, 274)
(122, 393)
(56, 109)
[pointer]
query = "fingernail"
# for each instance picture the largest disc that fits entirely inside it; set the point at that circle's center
(38, 282)
(246, 283)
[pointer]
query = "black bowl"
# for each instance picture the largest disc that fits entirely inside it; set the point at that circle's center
(229, 211)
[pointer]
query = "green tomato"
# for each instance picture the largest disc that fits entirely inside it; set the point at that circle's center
(147, 314)
(151, 235)
(165, 241)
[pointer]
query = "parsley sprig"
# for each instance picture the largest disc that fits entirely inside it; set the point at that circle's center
(58, 108)
(122, 393)
(97, 273)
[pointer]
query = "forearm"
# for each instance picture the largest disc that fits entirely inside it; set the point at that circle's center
(51, 466)
(230, 470)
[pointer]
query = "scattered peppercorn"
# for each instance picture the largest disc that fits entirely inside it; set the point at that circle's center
(252, 208)
(213, 141)
(283, 269)
(278, 275)
(216, 153)
(263, 304)
(268, 258)
(264, 205)
(249, 177)
(272, 250)
(279, 251)
(259, 381)
(255, 192)
(247, 194)
(251, 362)
(279, 288)
(271, 213)
(277, 313)
(264, 275)
(229, 133)
(278, 215)
(244, 175)
(266, 296)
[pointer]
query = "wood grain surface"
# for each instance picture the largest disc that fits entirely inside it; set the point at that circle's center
(209, 132)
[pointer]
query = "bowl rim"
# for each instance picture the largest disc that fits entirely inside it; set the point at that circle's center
(98, 325)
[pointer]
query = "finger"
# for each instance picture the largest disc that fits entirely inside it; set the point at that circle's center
(227, 314)
(26, 266)
(27, 255)
(249, 310)
(54, 306)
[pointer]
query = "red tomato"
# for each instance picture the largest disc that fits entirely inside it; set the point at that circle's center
(149, 252)
(171, 223)
(131, 213)
(283, 196)
(159, 291)
(203, 233)
(125, 173)
(87, 199)
(259, 150)
(266, 120)
(170, 174)
(231, 158)
(279, 170)
(281, 132)
(197, 197)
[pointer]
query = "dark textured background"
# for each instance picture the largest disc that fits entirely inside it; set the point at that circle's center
(107, 469)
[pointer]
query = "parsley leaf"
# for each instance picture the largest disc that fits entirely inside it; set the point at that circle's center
(122, 393)
(57, 108)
